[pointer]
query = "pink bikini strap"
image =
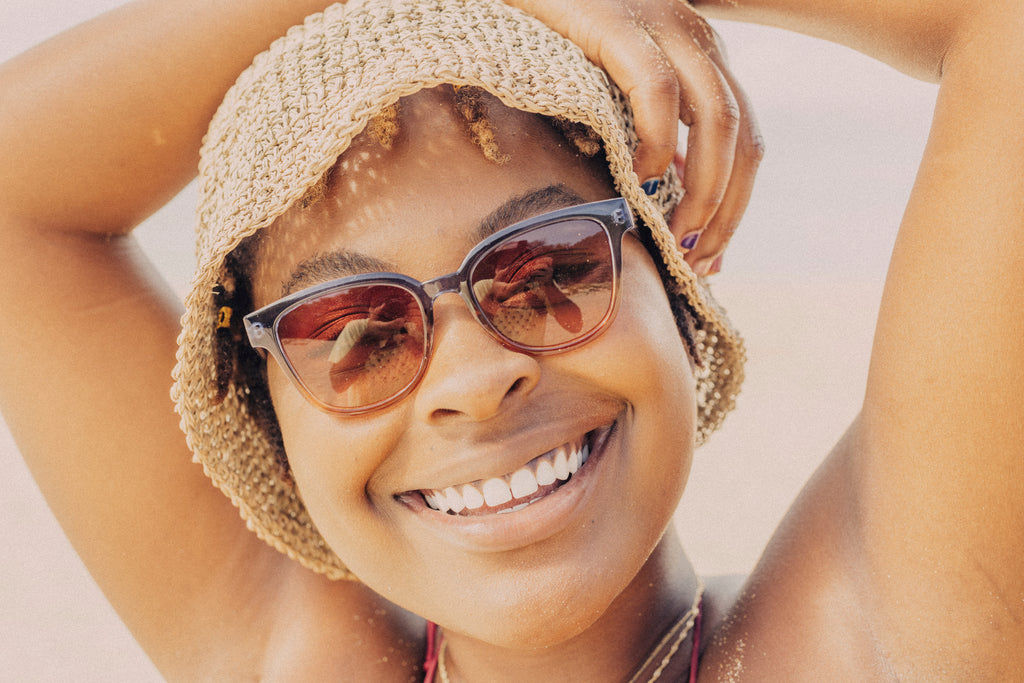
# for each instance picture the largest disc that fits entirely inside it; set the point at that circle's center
(695, 655)
(430, 662)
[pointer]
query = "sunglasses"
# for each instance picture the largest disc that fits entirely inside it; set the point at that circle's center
(544, 285)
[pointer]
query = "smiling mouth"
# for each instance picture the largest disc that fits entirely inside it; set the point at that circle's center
(538, 478)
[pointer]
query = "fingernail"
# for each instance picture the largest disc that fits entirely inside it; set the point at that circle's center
(703, 267)
(716, 267)
(651, 186)
(689, 240)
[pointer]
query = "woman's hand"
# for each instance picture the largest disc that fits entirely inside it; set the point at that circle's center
(668, 61)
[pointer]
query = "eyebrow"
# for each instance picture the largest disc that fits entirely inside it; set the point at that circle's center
(333, 265)
(527, 205)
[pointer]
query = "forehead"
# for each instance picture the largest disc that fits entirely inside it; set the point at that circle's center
(417, 203)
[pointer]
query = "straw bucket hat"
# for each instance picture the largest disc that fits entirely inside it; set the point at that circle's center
(285, 123)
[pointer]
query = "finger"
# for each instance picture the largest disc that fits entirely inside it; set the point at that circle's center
(612, 36)
(645, 76)
(716, 237)
(749, 153)
(710, 109)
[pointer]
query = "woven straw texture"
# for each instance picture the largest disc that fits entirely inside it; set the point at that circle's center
(284, 124)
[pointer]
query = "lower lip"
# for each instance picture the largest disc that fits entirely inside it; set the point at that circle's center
(536, 522)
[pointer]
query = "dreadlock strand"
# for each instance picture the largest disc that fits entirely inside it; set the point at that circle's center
(383, 127)
(469, 103)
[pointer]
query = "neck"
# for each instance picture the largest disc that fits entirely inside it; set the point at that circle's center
(611, 648)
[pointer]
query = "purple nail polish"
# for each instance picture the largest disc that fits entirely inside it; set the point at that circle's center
(689, 240)
(651, 186)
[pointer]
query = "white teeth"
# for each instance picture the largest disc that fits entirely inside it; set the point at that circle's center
(561, 465)
(523, 483)
(574, 461)
(435, 501)
(454, 501)
(496, 492)
(557, 465)
(471, 497)
(545, 473)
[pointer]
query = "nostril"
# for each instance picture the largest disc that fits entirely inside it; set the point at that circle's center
(517, 386)
(442, 413)
(471, 375)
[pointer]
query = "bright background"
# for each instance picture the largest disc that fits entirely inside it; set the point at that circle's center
(802, 281)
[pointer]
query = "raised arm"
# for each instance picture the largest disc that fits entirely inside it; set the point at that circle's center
(910, 35)
(911, 530)
(100, 126)
(938, 455)
(113, 111)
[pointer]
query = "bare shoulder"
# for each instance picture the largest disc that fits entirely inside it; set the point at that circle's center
(799, 616)
(822, 605)
(320, 629)
(286, 623)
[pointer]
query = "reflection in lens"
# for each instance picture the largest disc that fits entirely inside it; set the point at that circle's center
(356, 346)
(548, 286)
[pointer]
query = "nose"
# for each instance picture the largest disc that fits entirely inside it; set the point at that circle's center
(471, 375)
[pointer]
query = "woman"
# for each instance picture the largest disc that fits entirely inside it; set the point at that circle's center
(830, 545)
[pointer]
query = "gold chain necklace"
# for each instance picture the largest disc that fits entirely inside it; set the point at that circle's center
(672, 639)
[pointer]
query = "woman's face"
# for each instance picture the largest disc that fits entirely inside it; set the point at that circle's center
(540, 574)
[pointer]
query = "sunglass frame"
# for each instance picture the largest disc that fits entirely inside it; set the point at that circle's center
(613, 215)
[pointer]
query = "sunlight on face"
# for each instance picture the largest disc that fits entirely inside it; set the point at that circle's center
(617, 414)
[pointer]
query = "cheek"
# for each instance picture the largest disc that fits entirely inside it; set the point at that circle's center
(655, 374)
(332, 459)
(333, 462)
(644, 322)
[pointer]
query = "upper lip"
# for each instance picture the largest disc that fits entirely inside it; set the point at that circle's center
(504, 452)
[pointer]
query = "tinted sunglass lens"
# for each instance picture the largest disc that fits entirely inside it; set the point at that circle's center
(356, 346)
(549, 286)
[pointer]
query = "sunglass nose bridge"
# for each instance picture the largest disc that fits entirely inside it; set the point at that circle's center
(442, 285)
